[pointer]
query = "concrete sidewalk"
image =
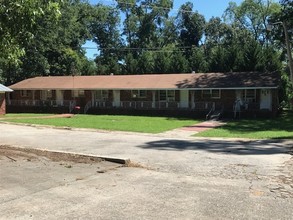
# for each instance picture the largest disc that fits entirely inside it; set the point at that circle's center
(188, 131)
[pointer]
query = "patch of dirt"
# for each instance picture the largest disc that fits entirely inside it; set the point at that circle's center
(30, 154)
(15, 155)
(136, 165)
(34, 117)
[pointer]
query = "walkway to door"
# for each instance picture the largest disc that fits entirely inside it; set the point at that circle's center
(187, 131)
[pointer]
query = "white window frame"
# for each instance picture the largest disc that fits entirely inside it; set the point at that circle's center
(46, 94)
(208, 93)
(78, 93)
(250, 99)
(24, 93)
(163, 93)
(101, 95)
(138, 93)
(218, 94)
(49, 94)
(169, 95)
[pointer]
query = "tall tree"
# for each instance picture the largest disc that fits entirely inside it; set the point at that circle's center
(252, 15)
(191, 25)
(105, 32)
(18, 21)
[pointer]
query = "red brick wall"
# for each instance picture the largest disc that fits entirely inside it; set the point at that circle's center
(2, 104)
(227, 98)
(275, 101)
(126, 95)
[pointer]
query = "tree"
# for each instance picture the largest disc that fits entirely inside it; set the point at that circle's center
(252, 15)
(287, 10)
(198, 62)
(18, 22)
(56, 45)
(146, 62)
(217, 32)
(105, 32)
(191, 25)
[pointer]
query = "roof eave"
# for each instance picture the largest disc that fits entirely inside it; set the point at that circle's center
(197, 88)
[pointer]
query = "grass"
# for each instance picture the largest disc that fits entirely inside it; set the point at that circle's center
(278, 128)
(108, 122)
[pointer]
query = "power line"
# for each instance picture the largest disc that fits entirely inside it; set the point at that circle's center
(139, 48)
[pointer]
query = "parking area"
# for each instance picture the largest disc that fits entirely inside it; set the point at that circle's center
(169, 178)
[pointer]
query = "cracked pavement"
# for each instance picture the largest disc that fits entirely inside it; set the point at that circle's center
(179, 178)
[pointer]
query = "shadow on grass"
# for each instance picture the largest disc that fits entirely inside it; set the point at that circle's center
(276, 128)
(281, 123)
(261, 147)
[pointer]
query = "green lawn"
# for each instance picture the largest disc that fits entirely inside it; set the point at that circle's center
(108, 122)
(278, 128)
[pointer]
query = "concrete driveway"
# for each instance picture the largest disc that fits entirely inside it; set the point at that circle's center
(181, 178)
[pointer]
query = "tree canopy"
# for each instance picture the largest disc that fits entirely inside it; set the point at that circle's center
(138, 37)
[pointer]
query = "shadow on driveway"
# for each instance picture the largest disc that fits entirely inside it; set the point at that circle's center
(263, 147)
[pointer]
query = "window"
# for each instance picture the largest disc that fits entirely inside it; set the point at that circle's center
(163, 95)
(206, 93)
(24, 93)
(138, 93)
(46, 94)
(49, 94)
(77, 93)
(168, 95)
(105, 94)
(211, 93)
(249, 95)
(216, 94)
(101, 95)
(171, 95)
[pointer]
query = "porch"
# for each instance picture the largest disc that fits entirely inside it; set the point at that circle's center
(144, 105)
(48, 104)
(150, 105)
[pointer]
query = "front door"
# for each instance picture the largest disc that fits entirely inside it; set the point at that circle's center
(116, 97)
(59, 97)
(184, 99)
(266, 99)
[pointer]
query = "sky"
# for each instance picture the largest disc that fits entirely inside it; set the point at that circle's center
(208, 8)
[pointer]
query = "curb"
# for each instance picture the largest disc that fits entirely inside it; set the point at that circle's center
(66, 156)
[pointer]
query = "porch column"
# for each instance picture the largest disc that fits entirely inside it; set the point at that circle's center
(33, 97)
(93, 97)
(116, 97)
(59, 97)
(153, 99)
(192, 100)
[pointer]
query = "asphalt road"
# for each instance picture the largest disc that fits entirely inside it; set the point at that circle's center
(179, 178)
